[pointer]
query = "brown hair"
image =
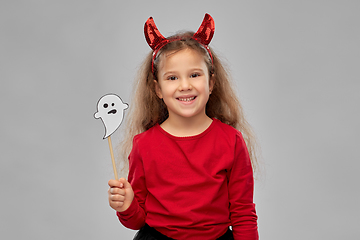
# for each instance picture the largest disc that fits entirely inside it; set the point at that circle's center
(147, 109)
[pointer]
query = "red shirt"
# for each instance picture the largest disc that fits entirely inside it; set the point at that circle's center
(192, 187)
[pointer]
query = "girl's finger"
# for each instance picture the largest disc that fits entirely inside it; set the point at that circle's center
(117, 198)
(117, 191)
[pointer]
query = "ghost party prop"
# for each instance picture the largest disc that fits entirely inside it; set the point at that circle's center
(110, 109)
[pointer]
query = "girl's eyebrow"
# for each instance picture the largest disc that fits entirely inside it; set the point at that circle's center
(175, 72)
(169, 73)
(197, 69)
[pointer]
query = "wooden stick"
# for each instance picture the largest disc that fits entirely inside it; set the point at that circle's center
(112, 158)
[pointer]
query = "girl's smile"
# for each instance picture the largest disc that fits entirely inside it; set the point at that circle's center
(186, 99)
(184, 83)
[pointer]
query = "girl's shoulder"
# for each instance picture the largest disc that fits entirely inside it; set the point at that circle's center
(231, 136)
(151, 133)
(229, 133)
(227, 129)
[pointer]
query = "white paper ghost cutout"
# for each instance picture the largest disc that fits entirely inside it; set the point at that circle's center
(111, 111)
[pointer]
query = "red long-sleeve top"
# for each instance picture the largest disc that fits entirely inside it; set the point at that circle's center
(192, 187)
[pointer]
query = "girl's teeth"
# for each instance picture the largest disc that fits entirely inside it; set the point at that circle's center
(187, 99)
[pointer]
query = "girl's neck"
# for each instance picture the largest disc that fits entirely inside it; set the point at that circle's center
(184, 127)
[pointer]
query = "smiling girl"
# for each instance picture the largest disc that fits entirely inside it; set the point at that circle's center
(191, 151)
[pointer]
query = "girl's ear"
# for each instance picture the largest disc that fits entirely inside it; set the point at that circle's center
(157, 89)
(211, 83)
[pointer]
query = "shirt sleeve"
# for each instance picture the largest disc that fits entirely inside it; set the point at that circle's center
(241, 188)
(134, 216)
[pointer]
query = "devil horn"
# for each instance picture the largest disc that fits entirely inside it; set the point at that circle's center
(206, 30)
(153, 35)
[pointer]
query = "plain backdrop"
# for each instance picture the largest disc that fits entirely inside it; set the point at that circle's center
(296, 68)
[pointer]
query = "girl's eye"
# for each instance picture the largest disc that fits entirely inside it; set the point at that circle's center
(194, 75)
(172, 78)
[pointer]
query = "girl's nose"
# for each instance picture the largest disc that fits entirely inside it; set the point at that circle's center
(185, 84)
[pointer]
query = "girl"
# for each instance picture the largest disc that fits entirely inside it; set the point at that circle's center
(192, 151)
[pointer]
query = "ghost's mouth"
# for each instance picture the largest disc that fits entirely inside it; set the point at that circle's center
(112, 111)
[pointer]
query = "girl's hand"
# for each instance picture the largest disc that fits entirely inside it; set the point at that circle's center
(121, 194)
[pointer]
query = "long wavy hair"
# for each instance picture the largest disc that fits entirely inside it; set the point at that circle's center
(147, 109)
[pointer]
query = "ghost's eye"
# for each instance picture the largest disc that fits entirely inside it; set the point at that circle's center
(112, 104)
(106, 105)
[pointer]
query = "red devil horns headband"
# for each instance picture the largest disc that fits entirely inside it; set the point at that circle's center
(156, 41)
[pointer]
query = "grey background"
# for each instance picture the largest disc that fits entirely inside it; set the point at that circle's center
(296, 66)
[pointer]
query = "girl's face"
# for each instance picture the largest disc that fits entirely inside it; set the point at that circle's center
(184, 83)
